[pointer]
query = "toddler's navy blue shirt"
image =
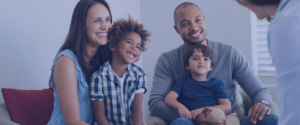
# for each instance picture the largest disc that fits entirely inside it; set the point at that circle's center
(197, 94)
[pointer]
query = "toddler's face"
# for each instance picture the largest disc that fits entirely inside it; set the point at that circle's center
(198, 64)
(128, 49)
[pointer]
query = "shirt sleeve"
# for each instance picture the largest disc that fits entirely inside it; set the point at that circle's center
(96, 88)
(161, 86)
(284, 45)
(141, 84)
(244, 75)
(142, 90)
(162, 80)
(178, 86)
(219, 90)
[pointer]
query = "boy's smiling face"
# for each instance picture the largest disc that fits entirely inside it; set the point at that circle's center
(128, 49)
(198, 64)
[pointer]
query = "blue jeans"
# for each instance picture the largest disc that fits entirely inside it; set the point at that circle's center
(181, 121)
(268, 120)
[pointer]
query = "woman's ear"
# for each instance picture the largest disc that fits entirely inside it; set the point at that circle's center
(211, 68)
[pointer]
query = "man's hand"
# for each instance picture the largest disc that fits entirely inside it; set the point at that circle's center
(184, 112)
(195, 113)
(258, 111)
(202, 120)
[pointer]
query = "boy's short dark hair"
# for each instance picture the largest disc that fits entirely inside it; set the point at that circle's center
(122, 27)
(207, 52)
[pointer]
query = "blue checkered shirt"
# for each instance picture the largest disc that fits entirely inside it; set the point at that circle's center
(105, 87)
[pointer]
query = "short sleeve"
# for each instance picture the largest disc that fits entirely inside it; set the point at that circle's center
(178, 86)
(219, 90)
(96, 88)
(142, 90)
(141, 84)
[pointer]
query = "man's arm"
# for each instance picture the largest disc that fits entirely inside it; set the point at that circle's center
(162, 84)
(244, 74)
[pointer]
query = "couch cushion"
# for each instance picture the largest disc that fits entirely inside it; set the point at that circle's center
(240, 102)
(29, 107)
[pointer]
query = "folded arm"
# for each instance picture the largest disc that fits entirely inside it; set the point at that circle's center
(171, 100)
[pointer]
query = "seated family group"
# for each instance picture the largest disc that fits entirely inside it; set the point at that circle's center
(94, 77)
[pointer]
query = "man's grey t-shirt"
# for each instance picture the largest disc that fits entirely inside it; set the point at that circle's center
(230, 65)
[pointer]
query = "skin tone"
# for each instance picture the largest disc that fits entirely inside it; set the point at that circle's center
(199, 66)
(98, 22)
(64, 74)
(190, 21)
(126, 52)
(190, 25)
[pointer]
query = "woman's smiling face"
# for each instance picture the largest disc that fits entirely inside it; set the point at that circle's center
(98, 22)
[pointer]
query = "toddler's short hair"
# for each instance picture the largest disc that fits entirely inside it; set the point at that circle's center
(122, 27)
(207, 52)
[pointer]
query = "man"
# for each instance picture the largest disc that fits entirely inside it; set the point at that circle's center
(230, 65)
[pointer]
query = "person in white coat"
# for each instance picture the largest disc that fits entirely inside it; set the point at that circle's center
(284, 47)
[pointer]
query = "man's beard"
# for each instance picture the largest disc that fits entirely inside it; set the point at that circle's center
(191, 43)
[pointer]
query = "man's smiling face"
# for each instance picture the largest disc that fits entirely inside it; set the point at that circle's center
(190, 24)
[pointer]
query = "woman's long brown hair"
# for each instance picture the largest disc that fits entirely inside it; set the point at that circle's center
(77, 39)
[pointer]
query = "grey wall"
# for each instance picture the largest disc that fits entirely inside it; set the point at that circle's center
(226, 21)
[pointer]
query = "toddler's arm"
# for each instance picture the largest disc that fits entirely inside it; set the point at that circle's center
(224, 104)
(137, 114)
(99, 109)
(170, 100)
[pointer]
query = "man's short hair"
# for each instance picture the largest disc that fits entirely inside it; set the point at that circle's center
(207, 52)
(183, 5)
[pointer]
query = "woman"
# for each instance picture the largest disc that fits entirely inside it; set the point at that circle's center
(78, 58)
(284, 47)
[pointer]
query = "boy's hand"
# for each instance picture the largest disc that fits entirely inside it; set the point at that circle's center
(195, 113)
(184, 112)
(202, 120)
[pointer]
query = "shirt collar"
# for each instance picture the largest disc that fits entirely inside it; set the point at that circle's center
(282, 5)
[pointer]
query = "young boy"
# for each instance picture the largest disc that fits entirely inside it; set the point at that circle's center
(117, 88)
(195, 91)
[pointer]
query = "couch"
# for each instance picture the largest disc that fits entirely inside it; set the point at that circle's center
(5, 117)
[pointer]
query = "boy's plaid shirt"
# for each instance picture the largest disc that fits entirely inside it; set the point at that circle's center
(105, 87)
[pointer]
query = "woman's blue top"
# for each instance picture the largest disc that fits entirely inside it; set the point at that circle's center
(86, 110)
